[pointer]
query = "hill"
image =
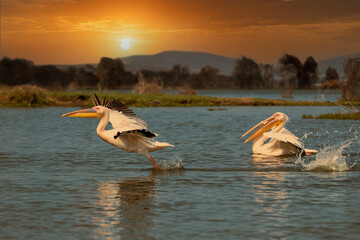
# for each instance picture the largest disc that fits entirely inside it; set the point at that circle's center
(196, 60)
(166, 60)
(335, 62)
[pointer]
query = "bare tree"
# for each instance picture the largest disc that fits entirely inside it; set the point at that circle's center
(153, 85)
(110, 72)
(311, 74)
(51, 77)
(291, 71)
(180, 75)
(247, 74)
(81, 78)
(267, 74)
(331, 79)
(208, 77)
(351, 89)
(15, 72)
(331, 74)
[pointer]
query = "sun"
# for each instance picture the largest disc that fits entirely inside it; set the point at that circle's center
(125, 43)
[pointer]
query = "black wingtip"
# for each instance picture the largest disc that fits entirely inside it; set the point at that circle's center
(95, 99)
(143, 132)
(147, 133)
(98, 102)
(114, 104)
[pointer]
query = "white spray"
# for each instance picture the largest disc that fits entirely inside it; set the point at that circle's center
(172, 164)
(330, 158)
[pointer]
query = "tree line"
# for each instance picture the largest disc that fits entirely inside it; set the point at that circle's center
(111, 74)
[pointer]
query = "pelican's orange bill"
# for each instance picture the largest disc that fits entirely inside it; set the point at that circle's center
(265, 125)
(86, 113)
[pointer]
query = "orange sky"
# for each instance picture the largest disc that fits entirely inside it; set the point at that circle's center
(82, 31)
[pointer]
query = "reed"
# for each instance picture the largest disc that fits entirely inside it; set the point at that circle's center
(26, 95)
(335, 116)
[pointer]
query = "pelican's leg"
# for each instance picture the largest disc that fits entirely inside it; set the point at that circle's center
(153, 162)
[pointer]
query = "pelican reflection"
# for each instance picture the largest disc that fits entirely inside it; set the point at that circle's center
(270, 197)
(260, 160)
(125, 208)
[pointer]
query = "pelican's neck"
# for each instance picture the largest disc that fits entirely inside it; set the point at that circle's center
(102, 124)
(278, 128)
(259, 141)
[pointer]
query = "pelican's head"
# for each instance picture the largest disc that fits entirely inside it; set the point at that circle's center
(95, 112)
(270, 123)
(281, 117)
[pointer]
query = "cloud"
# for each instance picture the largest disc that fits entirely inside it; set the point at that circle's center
(33, 5)
(328, 31)
(22, 24)
(334, 34)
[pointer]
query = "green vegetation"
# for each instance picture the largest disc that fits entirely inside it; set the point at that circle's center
(336, 116)
(25, 96)
(32, 96)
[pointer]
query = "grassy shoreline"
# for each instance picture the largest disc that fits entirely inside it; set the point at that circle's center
(334, 116)
(41, 98)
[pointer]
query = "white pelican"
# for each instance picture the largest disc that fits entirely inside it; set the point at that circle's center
(129, 132)
(282, 142)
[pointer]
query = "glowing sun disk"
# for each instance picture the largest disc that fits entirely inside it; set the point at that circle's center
(125, 43)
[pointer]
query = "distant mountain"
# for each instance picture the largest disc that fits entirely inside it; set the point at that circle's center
(196, 60)
(166, 60)
(335, 62)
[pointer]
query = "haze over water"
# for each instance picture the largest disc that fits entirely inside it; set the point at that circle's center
(59, 180)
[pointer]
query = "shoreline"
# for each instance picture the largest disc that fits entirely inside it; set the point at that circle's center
(82, 99)
(334, 116)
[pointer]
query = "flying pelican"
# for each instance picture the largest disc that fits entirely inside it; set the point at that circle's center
(129, 132)
(282, 141)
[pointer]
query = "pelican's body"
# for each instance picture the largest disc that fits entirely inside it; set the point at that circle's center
(282, 142)
(129, 132)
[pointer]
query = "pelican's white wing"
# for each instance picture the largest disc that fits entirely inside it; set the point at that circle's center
(122, 118)
(125, 122)
(286, 136)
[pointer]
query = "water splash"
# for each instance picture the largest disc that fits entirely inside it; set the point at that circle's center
(305, 136)
(328, 159)
(173, 164)
(321, 96)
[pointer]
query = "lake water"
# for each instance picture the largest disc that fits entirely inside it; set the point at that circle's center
(59, 180)
(319, 95)
(331, 95)
(298, 94)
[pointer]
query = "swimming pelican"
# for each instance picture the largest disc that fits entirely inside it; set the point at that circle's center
(282, 141)
(129, 132)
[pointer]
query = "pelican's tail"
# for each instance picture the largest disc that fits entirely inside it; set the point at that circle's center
(310, 151)
(153, 145)
(162, 145)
